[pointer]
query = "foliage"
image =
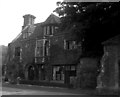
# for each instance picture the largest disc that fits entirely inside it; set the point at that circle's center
(92, 23)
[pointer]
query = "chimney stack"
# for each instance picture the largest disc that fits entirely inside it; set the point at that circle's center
(28, 20)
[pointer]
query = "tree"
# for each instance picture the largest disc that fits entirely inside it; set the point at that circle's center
(92, 23)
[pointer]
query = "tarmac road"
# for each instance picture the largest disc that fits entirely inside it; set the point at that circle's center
(16, 91)
(9, 90)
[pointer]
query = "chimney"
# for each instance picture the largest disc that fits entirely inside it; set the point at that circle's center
(28, 20)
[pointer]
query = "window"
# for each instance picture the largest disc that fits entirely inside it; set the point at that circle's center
(48, 30)
(70, 45)
(46, 52)
(45, 30)
(58, 73)
(42, 48)
(39, 48)
(17, 51)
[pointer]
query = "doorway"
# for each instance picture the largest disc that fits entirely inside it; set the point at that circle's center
(31, 73)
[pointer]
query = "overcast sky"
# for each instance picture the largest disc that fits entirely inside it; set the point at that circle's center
(12, 11)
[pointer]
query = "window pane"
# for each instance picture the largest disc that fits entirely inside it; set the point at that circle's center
(44, 30)
(50, 33)
(46, 48)
(48, 30)
(39, 48)
(52, 30)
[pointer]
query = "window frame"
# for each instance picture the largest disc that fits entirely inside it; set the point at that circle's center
(17, 51)
(70, 44)
(49, 30)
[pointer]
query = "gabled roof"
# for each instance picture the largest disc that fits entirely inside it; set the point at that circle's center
(29, 28)
(52, 19)
(18, 36)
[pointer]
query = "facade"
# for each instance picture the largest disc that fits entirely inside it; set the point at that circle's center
(42, 52)
(110, 73)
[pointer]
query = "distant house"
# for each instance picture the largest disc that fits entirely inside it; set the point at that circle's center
(110, 73)
(3, 57)
(42, 52)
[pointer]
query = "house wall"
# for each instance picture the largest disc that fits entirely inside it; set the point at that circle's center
(59, 56)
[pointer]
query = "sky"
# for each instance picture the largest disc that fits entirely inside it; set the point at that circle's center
(12, 12)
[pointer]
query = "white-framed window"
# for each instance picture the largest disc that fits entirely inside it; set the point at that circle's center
(58, 73)
(45, 30)
(49, 30)
(46, 48)
(42, 48)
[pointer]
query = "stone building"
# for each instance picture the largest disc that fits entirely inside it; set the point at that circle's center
(42, 52)
(109, 77)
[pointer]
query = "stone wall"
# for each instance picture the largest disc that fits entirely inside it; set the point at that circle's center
(109, 72)
(87, 73)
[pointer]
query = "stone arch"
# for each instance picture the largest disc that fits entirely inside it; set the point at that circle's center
(31, 72)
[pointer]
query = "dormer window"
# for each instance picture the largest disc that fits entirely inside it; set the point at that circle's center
(49, 30)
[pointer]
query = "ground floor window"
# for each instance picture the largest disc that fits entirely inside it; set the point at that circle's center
(58, 73)
(63, 73)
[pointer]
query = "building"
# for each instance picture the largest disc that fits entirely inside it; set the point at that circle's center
(109, 77)
(3, 55)
(42, 52)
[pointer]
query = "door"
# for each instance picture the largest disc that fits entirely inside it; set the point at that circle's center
(31, 73)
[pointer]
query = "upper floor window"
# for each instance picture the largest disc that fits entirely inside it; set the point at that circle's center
(71, 44)
(49, 30)
(39, 48)
(17, 51)
(42, 48)
(46, 50)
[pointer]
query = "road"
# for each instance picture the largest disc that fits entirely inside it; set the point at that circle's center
(16, 91)
(8, 89)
